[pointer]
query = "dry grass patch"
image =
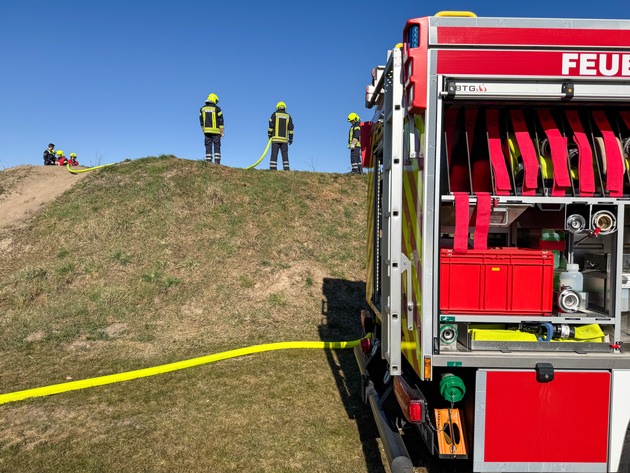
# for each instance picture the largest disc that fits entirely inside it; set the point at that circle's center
(161, 259)
(11, 178)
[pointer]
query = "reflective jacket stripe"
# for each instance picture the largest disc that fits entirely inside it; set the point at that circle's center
(280, 127)
(211, 119)
(355, 133)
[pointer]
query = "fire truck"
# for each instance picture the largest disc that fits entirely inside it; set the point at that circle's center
(498, 260)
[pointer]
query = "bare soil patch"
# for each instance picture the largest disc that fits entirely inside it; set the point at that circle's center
(26, 188)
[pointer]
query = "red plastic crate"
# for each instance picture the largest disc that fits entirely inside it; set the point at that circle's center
(500, 281)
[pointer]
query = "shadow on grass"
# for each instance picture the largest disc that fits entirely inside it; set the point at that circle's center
(341, 308)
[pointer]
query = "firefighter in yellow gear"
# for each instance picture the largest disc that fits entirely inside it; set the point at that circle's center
(354, 143)
(211, 121)
(281, 133)
(61, 158)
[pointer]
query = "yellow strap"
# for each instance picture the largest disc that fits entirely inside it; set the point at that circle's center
(179, 365)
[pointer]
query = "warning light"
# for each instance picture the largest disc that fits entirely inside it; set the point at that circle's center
(366, 345)
(415, 411)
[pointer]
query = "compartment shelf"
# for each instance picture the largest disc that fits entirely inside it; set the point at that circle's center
(560, 360)
(591, 318)
(547, 347)
(541, 199)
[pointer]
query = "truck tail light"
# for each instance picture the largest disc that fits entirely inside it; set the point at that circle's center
(415, 411)
(411, 400)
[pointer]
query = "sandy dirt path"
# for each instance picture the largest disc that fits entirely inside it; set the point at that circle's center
(24, 189)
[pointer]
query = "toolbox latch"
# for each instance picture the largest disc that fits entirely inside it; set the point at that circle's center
(544, 372)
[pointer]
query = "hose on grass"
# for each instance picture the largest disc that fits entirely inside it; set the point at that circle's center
(167, 368)
(77, 171)
(261, 157)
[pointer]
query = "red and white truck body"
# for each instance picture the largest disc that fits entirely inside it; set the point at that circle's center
(498, 160)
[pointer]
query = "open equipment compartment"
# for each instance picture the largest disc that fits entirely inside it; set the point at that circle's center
(555, 171)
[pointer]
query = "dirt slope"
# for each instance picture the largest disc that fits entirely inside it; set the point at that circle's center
(23, 189)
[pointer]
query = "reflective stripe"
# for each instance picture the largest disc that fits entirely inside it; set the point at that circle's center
(281, 128)
(211, 123)
(353, 129)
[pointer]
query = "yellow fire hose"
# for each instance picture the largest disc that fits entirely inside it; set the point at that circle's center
(261, 157)
(76, 171)
(178, 365)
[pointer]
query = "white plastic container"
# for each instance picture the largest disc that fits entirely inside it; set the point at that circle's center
(572, 277)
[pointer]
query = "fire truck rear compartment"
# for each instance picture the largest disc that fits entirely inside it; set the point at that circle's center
(488, 182)
(522, 154)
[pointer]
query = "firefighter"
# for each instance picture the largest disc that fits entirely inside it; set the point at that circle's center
(354, 143)
(73, 159)
(281, 133)
(211, 121)
(49, 155)
(61, 158)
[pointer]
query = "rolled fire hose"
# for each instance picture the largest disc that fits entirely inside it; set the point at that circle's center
(261, 157)
(178, 365)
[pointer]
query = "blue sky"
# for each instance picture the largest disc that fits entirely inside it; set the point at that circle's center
(125, 79)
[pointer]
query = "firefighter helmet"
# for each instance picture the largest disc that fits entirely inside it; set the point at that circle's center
(73, 155)
(59, 153)
(353, 117)
(281, 105)
(213, 98)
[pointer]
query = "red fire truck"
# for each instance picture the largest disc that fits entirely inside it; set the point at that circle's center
(498, 260)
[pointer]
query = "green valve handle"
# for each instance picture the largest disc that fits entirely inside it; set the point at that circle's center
(452, 388)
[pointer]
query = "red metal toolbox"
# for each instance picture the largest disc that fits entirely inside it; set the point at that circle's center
(501, 281)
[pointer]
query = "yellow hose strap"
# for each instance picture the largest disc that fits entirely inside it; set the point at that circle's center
(77, 171)
(261, 157)
(178, 365)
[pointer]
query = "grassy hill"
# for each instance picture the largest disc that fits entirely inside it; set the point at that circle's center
(158, 260)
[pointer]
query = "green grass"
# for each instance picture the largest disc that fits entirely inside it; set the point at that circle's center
(189, 259)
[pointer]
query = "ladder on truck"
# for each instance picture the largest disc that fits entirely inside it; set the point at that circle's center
(393, 263)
